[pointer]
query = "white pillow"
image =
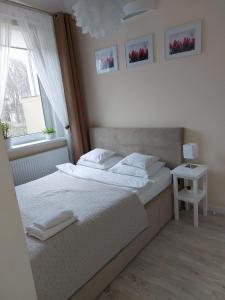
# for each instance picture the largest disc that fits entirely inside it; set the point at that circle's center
(108, 163)
(98, 155)
(137, 172)
(139, 160)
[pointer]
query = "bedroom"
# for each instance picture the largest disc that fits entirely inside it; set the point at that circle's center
(184, 92)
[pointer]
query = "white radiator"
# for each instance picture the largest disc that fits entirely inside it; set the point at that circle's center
(36, 166)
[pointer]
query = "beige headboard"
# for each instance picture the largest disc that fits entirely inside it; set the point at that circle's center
(163, 142)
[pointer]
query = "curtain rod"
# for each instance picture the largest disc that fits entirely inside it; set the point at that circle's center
(9, 2)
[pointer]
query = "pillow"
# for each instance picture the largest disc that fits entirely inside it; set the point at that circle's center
(139, 160)
(119, 168)
(108, 163)
(98, 155)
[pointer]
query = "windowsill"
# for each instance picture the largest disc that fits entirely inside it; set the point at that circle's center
(35, 143)
(35, 147)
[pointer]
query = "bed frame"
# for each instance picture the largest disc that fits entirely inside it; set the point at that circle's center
(163, 142)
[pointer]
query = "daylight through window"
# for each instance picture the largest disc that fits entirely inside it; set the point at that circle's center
(22, 108)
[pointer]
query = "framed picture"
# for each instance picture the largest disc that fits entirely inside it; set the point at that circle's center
(184, 40)
(106, 60)
(139, 51)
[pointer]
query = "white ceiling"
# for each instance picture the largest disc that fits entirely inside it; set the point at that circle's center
(52, 6)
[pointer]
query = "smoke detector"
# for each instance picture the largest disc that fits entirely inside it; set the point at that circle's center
(138, 7)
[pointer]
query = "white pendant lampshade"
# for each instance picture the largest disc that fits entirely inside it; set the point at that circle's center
(99, 18)
(190, 151)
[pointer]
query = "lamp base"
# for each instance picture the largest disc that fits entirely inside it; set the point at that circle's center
(191, 166)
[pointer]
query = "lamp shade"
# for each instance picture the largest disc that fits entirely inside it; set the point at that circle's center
(190, 151)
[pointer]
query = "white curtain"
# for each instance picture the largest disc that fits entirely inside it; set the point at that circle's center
(4, 56)
(38, 32)
(40, 40)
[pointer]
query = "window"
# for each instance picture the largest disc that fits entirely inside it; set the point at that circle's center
(22, 109)
(26, 107)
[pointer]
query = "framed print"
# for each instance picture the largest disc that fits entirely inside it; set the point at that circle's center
(183, 40)
(139, 51)
(106, 60)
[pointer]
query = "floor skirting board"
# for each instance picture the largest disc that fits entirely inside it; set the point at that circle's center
(216, 210)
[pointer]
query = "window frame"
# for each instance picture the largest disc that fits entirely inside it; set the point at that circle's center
(49, 118)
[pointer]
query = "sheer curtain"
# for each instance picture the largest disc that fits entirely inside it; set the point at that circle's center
(38, 32)
(4, 56)
(40, 40)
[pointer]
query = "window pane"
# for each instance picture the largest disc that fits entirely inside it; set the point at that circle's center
(22, 105)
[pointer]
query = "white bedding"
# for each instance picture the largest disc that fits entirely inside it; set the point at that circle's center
(145, 189)
(108, 219)
(159, 183)
(103, 176)
(100, 199)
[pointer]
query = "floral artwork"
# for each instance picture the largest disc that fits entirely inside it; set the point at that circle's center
(183, 41)
(139, 54)
(106, 60)
(139, 51)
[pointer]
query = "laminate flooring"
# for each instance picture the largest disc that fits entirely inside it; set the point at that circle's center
(181, 263)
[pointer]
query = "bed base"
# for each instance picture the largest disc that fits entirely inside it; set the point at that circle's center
(160, 211)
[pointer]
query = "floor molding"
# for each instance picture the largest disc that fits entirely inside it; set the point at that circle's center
(216, 210)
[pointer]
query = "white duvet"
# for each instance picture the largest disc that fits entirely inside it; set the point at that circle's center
(109, 218)
(103, 176)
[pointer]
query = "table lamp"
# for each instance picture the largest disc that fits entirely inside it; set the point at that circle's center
(190, 151)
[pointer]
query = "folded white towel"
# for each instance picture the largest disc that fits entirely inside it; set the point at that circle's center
(46, 234)
(53, 218)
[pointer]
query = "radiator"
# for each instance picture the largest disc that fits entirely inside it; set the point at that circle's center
(38, 165)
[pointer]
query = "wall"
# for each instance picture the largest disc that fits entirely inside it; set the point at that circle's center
(16, 281)
(187, 92)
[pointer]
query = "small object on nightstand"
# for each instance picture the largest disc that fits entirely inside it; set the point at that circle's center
(191, 166)
(187, 194)
(190, 151)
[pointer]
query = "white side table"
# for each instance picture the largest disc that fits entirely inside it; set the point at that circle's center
(193, 196)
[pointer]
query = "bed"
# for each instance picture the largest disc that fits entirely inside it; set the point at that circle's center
(130, 223)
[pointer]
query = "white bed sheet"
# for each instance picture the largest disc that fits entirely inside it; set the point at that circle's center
(103, 176)
(145, 189)
(160, 182)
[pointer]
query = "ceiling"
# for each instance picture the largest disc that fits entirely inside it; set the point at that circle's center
(52, 6)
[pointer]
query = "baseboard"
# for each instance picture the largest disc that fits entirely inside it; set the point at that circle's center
(216, 210)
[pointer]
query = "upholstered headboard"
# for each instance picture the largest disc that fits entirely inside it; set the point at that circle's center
(163, 142)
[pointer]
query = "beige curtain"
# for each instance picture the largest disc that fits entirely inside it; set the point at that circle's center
(65, 37)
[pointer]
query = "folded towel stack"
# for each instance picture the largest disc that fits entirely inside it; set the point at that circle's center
(51, 223)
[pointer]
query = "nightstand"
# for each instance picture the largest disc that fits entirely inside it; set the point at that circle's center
(190, 195)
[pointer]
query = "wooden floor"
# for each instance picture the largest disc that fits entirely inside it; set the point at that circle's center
(181, 263)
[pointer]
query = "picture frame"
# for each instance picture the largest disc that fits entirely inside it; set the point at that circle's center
(139, 51)
(106, 60)
(183, 41)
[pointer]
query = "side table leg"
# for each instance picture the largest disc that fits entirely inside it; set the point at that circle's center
(195, 191)
(175, 192)
(205, 200)
(195, 214)
(186, 203)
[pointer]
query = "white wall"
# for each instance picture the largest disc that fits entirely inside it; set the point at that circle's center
(188, 92)
(16, 281)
